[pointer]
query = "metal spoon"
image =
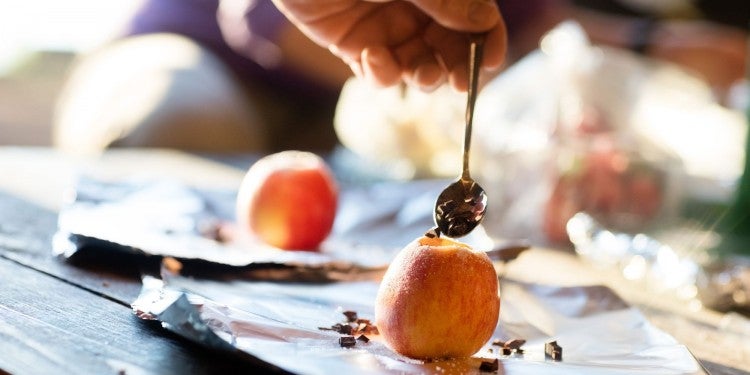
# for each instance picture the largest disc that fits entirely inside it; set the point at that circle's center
(461, 206)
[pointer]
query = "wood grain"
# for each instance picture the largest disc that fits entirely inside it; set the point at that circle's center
(58, 317)
(48, 326)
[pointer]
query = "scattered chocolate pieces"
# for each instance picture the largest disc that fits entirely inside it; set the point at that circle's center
(363, 338)
(552, 351)
(353, 326)
(515, 344)
(489, 366)
(347, 341)
(367, 328)
(345, 329)
(351, 316)
(510, 347)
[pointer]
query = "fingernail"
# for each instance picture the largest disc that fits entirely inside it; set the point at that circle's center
(482, 12)
(380, 67)
(428, 77)
(356, 68)
(374, 56)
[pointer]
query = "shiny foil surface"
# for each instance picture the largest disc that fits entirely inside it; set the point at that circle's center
(279, 323)
(276, 316)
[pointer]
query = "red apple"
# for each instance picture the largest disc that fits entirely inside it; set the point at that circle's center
(438, 299)
(288, 200)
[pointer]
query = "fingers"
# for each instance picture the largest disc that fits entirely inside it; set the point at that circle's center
(441, 54)
(379, 67)
(461, 15)
(495, 46)
(453, 49)
(494, 55)
(420, 64)
(414, 62)
(427, 77)
(425, 56)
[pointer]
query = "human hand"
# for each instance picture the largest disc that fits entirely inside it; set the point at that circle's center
(422, 42)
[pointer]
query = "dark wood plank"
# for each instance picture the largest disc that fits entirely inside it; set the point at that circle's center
(26, 232)
(49, 326)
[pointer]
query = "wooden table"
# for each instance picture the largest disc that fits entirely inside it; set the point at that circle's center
(57, 317)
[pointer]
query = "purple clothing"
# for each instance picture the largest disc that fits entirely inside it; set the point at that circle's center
(257, 30)
(517, 13)
(244, 43)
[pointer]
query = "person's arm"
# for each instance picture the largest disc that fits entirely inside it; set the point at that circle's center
(258, 31)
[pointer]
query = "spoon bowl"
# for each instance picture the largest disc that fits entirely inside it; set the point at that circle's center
(460, 208)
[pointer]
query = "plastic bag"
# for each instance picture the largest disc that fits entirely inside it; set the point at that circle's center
(556, 136)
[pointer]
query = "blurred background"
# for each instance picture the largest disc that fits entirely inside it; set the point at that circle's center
(633, 111)
(39, 40)
(644, 82)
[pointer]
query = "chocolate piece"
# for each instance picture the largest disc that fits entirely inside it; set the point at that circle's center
(367, 329)
(347, 341)
(354, 326)
(372, 330)
(363, 338)
(362, 328)
(509, 347)
(342, 328)
(498, 342)
(515, 344)
(488, 366)
(552, 351)
(351, 316)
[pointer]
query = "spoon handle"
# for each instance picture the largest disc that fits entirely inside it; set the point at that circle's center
(475, 63)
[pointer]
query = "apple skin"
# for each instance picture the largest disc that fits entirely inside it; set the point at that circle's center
(288, 200)
(438, 299)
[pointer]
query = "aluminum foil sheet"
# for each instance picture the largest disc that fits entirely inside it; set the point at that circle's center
(279, 323)
(158, 218)
(683, 266)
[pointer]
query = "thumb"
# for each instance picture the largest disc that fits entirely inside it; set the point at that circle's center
(461, 15)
